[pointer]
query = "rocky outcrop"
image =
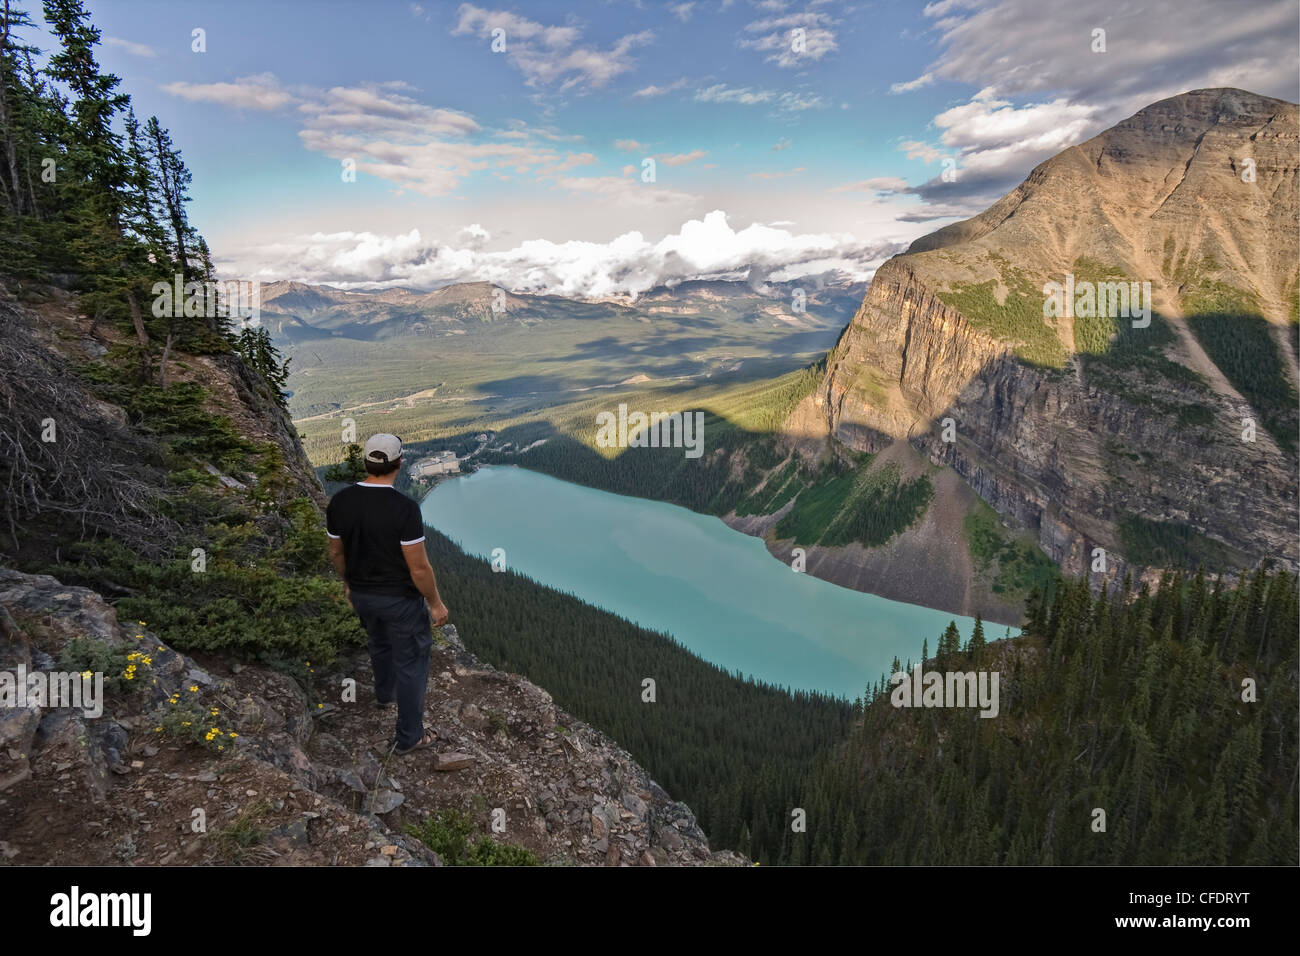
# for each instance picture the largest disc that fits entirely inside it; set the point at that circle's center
(927, 564)
(1058, 450)
(247, 399)
(306, 775)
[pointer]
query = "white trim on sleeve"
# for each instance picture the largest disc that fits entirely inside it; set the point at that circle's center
(334, 536)
(416, 541)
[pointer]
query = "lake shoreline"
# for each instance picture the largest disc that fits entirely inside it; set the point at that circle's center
(717, 592)
(851, 568)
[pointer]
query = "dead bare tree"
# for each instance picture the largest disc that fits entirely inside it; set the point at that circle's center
(62, 459)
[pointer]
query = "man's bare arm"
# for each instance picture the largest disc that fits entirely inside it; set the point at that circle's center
(337, 559)
(417, 562)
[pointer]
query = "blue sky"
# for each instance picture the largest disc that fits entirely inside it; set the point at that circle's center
(776, 153)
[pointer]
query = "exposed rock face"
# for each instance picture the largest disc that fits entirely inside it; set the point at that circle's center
(260, 416)
(309, 778)
(1160, 198)
(927, 564)
(1164, 186)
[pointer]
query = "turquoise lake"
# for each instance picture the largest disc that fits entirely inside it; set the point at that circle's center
(716, 590)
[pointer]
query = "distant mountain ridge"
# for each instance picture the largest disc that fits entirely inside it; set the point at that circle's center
(296, 311)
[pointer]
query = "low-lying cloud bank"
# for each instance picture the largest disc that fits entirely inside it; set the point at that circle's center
(626, 265)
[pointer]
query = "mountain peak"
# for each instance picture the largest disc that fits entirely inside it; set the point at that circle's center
(1096, 428)
(1207, 177)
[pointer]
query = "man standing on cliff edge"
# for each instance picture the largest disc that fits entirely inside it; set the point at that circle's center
(377, 547)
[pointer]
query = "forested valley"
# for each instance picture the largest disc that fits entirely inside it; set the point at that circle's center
(1132, 704)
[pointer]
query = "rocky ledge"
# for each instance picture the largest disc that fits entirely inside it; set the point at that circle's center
(305, 775)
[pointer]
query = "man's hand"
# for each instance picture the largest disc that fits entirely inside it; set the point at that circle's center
(417, 562)
(438, 614)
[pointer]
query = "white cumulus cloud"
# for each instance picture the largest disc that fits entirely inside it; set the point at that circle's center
(629, 264)
(1044, 84)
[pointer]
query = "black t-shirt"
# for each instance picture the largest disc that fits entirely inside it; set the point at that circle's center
(374, 521)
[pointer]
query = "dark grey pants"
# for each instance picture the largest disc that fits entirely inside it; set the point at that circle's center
(401, 637)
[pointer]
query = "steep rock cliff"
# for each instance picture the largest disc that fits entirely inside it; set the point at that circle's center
(1060, 435)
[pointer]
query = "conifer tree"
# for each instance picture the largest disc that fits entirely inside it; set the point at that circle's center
(15, 114)
(173, 179)
(351, 469)
(94, 155)
(977, 642)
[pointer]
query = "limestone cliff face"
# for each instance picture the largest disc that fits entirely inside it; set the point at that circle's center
(916, 354)
(1060, 450)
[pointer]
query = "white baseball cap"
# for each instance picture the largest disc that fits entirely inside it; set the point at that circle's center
(382, 449)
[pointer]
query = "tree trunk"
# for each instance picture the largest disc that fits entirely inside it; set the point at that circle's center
(162, 363)
(11, 152)
(6, 121)
(138, 321)
(33, 209)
